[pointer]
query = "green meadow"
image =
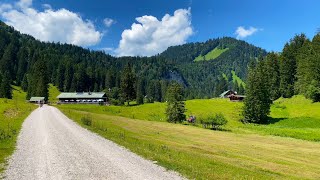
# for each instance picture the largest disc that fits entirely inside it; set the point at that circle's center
(241, 152)
(238, 79)
(213, 54)
(296, 117)
(12, 114)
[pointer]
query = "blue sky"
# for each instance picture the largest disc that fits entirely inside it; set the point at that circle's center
(107, 25)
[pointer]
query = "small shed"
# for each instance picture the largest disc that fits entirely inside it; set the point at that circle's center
(39, 100)
(227, 93)
(82, 98)
(235, 97)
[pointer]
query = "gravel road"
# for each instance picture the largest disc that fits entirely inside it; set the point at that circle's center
(51, 146)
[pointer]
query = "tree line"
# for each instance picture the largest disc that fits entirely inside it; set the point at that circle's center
(31, 64)
(296, 70)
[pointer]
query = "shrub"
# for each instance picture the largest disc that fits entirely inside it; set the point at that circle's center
(313, 92)
(116, 102)
(214, 121)
(86, 120)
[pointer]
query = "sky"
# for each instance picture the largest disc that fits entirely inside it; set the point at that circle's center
(146, 28)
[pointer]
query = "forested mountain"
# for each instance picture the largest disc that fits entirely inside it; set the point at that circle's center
(32, 64)
(205, 77)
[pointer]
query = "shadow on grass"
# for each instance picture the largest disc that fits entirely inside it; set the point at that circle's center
(273, 120)
(269, 121)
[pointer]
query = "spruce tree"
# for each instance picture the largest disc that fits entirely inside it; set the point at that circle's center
(288, 65)
(38, 81)
(308, 70)
(150, 92)
(176, 107)
(273, 75)
(127, 84)
(140, 94)
(5, 86)
(24, 83)
(257, 102)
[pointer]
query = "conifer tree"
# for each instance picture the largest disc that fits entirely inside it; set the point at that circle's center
(273, 75)
(308, 68)
(176, 107)
(257, 102)
(140, 94)
(24, 83)
(150, 92)
(288, 65)
(38, 81)
(5, 86)
(127, 84)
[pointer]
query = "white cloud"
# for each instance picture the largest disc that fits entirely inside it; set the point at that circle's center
(242, 32)
(108, 22)
(150, 36)
(24, 4)
(5, 7)
(46, 6)
(51, 25)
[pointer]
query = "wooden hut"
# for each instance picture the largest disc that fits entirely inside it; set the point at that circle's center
(235, 97)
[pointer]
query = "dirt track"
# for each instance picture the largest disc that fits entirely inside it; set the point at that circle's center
(51, 146)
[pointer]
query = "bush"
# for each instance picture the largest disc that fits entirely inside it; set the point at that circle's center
(116, 102)
(313, 92)
(214, 121)
(86, 120)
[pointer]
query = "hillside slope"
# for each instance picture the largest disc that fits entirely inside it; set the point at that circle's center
(213, 54)
(72, 68)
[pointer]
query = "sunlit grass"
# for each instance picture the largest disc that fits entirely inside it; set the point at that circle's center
(12, 114)
(296, 117)
(213, 54)
(204, 154)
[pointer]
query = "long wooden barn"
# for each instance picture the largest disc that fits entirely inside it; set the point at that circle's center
(82, 98)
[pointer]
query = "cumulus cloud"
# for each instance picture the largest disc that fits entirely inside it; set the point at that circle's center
(50, 25)
(108, 22)
(242, 32)
(151, 36)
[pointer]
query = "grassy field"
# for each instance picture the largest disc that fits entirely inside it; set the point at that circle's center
(12, 114)
(287, 148)
(213, 54)
(156, 111)
(296, 117)
(199, 153)
(237, 78)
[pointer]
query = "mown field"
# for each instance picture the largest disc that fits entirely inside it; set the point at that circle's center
(296, 117)
(244, 151)
(12, 114)
(204, 154)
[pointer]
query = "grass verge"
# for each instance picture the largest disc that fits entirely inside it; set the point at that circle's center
(12, 114)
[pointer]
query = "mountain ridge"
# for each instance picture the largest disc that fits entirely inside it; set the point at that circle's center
(73, 68)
